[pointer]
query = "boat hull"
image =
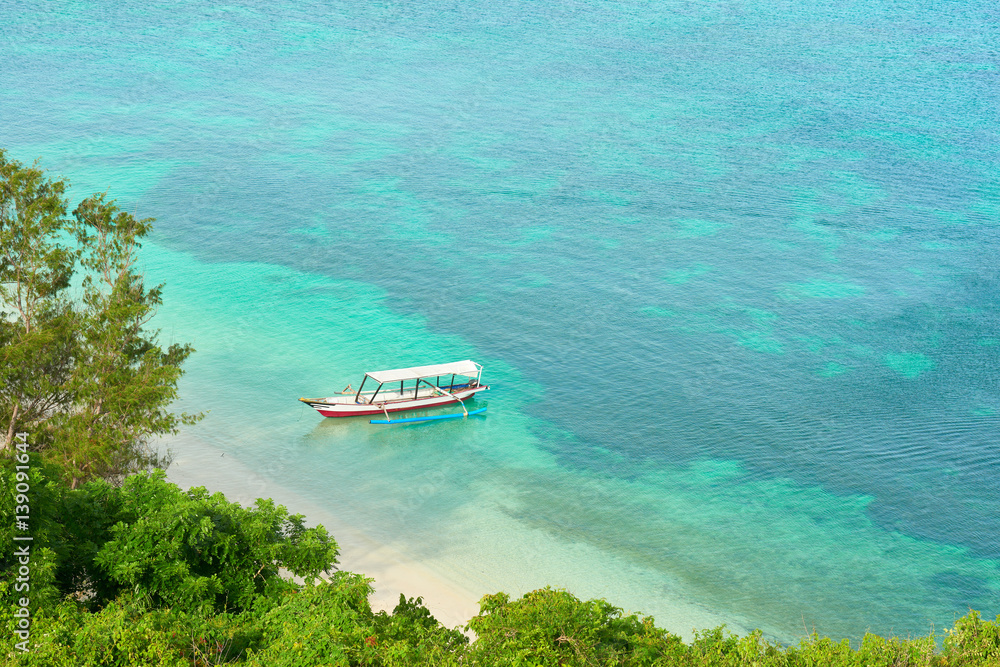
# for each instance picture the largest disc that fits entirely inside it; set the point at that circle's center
(329, 408)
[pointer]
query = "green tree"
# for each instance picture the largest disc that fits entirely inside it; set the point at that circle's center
(197, 552)
(332, 623)
(552, 627)
(36, 319)
(188, 550)
(84, 375)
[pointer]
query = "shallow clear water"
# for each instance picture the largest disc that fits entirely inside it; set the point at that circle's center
(731, 269)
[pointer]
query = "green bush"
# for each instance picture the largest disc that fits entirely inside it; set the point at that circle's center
(332, 623)
(552, 627)
(972, 641)
(201, 553)
(183, 549)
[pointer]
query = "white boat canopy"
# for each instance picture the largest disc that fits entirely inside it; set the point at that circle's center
(466, 368)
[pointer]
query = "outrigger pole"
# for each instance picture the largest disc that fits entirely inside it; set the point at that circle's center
(410, 420)
(446, 392)
(465, 411)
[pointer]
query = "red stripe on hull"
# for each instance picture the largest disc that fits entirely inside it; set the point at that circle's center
(365, 413)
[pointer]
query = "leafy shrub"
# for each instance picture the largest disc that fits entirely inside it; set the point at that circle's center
(972, 642)
(202, 553)
(552, 627)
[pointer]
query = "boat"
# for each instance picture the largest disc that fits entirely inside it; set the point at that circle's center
(406, 389)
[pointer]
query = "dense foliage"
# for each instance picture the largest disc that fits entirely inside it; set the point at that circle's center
(188, 551)
(77, 367)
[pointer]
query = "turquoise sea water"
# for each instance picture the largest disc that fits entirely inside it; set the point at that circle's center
(731, 268)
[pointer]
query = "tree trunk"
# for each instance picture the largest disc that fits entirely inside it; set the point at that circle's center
(10, 430)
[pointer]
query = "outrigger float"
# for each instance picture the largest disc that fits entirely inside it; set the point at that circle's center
(461, 380)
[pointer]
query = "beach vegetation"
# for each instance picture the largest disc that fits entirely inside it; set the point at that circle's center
(190, 551)
(333, 624)
(79, 368)
(552, 627)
